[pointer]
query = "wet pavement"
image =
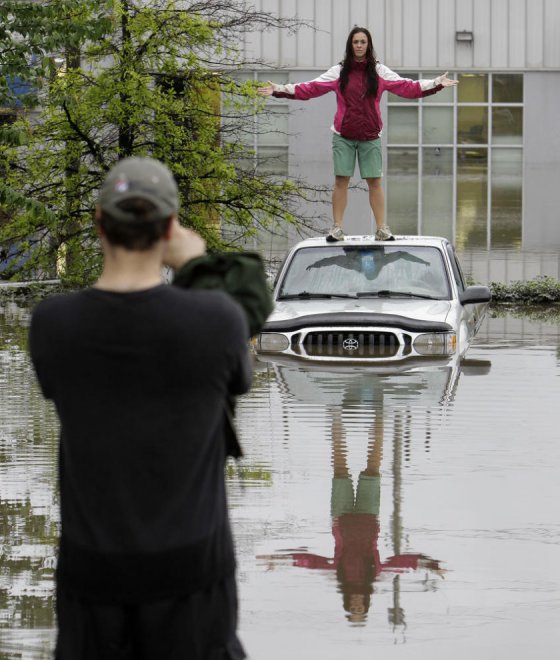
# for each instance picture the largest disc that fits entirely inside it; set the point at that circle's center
(405, 512)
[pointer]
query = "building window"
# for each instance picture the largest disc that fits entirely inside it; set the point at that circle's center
(266, 135)
(7, 116)
(454, 161)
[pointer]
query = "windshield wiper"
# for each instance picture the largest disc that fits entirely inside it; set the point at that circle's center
(306, 295)
(386, 293)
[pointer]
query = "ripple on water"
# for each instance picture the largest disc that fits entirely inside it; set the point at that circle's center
(28, 501)
(467, 460)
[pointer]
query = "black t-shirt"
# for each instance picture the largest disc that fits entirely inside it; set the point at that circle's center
(139, 381)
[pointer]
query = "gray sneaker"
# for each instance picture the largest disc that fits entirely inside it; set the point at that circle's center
(383, 233)
(335, 234)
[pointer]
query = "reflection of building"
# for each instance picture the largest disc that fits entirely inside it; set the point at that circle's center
(28, 497)
(477, 163)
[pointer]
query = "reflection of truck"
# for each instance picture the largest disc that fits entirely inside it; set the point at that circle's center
(421, 383)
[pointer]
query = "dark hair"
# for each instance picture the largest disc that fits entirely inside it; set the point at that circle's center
(350, 589)
(371, 61)
(139, 234)
(348, 604)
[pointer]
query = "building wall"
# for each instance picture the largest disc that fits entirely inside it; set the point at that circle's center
(507, 34)
(541, 218)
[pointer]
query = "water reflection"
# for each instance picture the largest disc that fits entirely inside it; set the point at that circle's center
(355, 526)
(28, 502)
(393, 408)
(385, 483)
(358, 489)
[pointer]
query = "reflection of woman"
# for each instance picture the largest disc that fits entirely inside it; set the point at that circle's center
(358, 82)
(355, 528)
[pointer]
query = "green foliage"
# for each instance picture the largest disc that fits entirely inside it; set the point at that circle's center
(137, 79)
(249, 474)
(13, 136)
(549, 314)
(30, 32)
(539, 290)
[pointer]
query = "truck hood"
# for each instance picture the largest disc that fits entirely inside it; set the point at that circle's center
(431, 311)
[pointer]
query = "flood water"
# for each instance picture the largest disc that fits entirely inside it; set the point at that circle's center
(399, 513)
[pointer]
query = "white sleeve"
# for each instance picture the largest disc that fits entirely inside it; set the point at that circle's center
(388, 74)
(332, 74)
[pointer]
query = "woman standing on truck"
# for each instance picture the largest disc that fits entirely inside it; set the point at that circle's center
(358, 82)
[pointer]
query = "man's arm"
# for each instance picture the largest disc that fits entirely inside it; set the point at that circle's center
(241, 275)
(241, 375)
(37, 344)
(240, 381)
(182, 245)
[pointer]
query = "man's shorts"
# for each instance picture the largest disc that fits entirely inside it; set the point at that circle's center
(367, 151)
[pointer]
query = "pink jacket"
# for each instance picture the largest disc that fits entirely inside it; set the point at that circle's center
(358, 116)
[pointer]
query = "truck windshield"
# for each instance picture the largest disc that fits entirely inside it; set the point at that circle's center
(367, 270)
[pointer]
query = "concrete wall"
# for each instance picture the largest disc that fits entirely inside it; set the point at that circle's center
(541, 179)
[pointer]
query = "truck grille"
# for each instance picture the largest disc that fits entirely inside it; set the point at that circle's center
(351, 344)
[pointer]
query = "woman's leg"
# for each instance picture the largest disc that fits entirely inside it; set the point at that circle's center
(340, 198)
(377, 200)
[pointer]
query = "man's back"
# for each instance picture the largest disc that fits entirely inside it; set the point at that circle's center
(139, 380)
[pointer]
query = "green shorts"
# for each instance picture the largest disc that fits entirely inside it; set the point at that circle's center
(368, 152)
(368, 493)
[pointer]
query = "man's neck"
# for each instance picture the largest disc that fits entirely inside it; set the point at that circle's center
(127, 270)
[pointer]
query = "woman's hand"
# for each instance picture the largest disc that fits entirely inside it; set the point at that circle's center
(444, 81)
(266, 90)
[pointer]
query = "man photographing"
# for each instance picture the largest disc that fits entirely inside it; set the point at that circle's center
(140, 372)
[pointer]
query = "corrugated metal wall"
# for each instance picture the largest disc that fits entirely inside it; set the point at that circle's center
(508, 34)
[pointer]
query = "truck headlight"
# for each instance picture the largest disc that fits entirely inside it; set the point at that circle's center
(436, 343)
(272, 342)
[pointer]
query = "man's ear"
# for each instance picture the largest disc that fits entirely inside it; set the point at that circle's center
(97, 218)
(170, 221)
